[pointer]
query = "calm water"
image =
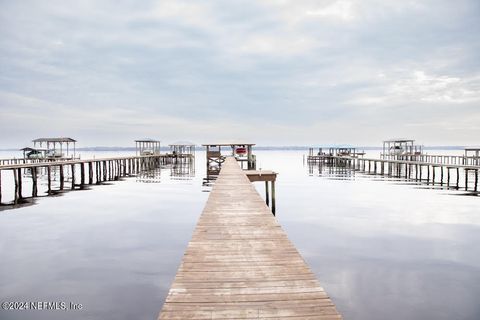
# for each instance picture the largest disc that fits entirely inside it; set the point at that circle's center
(382, 248)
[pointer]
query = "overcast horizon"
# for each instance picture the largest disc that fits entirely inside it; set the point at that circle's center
(274, 73)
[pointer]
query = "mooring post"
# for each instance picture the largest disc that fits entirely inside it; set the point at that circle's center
(267, 196)
(49, 179)
(476, 180)
(104, 170)
(62, 177)
(466, 179)
(73, 175)
(19, 173)
(82, 174)
(90, 173)
(15, 178)
(34, 181)
(273, 197)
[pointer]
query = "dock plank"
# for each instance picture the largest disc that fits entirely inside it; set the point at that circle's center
(240, 264)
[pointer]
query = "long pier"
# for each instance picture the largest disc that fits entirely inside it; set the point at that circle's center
(88, 172)
(407, 169)
(240, 264)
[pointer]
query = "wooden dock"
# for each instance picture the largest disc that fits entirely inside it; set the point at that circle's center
(240, 264)
(408, 169)
(95, 170)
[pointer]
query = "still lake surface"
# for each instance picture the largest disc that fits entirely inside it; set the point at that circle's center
(383, 248)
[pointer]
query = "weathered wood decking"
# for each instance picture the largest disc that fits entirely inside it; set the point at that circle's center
(240, 264)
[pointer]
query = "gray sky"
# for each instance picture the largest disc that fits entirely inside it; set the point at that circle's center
(271, 72)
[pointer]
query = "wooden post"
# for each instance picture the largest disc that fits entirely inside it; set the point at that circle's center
(273, 197)
(34, 181)
(49, 179)
(267, 196)
(73, 175)
(466, 179)
(90, 173)
(476, 180)
(19, 173)
(62, 177)
(458, 177)
(0, 186)
(82, 174)
(104, 170)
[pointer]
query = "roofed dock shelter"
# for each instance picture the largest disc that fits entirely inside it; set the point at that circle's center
(181, 152)
(474, 154)
(401, 149)
(241, 151)
(147, 147)
(55, 147)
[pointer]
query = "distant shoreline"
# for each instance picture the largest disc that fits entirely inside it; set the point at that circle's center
(101, 148)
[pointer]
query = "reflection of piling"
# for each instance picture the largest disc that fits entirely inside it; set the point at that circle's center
(404, 169)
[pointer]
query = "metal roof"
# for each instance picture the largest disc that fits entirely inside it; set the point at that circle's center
(147, 140)
(229, 144)
(61, 139)
(399, 140)
(472, 148)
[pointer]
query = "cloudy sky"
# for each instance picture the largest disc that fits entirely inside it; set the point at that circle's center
(272, 72)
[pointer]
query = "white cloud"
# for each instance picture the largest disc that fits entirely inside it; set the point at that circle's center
(300, 65)
(419, 86)
(338, 10)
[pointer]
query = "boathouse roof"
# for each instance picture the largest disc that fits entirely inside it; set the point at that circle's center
(399, 140)
(61, 139)
(474, 148)
(229, 144)
(147, 140)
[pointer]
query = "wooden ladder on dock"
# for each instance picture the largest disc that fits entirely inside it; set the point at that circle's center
(240, 264)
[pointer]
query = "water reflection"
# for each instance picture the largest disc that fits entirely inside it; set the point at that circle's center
(115, 249)
(344, 171)
(381, 248)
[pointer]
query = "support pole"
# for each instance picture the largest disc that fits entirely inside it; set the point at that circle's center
(73, 175)
(34, 181)
(62, 177)
(19, 173)
(82, 174)
(267, 196)
(273, 197)
(49, 179)
(90, 173)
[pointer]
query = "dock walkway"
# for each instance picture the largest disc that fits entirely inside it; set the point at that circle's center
(240, 264)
